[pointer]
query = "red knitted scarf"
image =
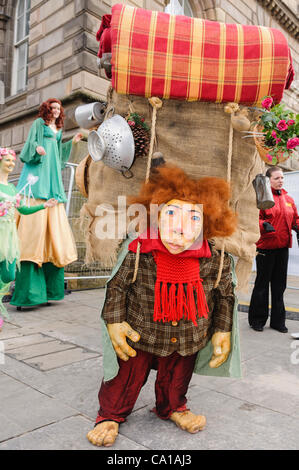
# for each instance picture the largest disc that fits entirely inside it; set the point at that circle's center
(178, 289)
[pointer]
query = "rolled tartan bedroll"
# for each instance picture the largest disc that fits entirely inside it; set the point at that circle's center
(173, 56)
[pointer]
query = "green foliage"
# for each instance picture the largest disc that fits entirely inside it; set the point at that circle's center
(138, 120)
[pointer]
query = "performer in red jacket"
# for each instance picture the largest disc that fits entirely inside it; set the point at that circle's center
(276, 226)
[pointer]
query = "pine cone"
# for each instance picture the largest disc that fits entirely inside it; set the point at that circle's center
(141, 140)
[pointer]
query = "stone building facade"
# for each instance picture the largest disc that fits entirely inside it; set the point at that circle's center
(48, 49)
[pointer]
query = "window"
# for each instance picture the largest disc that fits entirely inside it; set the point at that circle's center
(19, 75)
(179, 7)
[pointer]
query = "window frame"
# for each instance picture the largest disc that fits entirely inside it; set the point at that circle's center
(17, 45)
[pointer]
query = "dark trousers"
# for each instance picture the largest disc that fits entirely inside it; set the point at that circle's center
(117, 397)
(271, 267)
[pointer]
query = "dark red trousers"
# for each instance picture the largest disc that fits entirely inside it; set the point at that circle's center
(118, 396)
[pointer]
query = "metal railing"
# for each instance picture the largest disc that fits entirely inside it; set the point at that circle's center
(72, 167)
(72, 207)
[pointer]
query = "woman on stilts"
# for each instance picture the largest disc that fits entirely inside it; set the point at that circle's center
(46, 241)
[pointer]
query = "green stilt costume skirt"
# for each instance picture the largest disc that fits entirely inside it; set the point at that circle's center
(4, 290)
(7, 271)
(37, 285)
(7, 274)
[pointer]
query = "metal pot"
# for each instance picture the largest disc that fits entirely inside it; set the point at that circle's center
(264, 196)
(89, 115)
(113, 143)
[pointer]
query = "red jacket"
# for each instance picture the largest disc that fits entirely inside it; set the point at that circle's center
(283, 216)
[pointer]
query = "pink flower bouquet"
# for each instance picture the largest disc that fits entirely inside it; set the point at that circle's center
(280, 127)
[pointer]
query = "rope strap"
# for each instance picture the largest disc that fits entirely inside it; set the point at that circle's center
(156, 104)
(228, 177)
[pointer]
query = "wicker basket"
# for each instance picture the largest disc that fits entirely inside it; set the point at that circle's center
(263, 150)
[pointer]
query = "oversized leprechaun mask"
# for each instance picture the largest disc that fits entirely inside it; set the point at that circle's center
(180, 225)
(178, 286)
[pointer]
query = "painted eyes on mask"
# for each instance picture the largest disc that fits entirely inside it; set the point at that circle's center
(195, 218)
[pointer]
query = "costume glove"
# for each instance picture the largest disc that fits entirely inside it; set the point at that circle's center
(222, 347)
(268, 227)
(118, 333)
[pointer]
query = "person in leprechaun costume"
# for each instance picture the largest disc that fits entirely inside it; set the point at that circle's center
(168, 306)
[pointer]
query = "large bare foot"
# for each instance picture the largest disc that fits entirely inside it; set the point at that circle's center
(188, 421)
(104, 434)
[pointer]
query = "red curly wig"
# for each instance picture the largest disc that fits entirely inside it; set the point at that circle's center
(45, 112)
(169, 182)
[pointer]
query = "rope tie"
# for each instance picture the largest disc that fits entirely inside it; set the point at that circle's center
(156, 104)
(228, 178)
(136, 263)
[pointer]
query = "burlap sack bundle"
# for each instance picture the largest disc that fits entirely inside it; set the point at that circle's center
(194, 136)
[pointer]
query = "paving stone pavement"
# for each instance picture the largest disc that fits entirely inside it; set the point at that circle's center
(51, 369)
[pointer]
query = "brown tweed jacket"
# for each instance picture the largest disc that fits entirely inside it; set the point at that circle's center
(134, 303)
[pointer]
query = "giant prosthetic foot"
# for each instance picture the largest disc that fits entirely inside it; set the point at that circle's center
(188, 421)
(103, 434)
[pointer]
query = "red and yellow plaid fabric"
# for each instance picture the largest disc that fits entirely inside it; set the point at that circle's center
(157, 54)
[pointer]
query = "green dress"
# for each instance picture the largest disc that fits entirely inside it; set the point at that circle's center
(9, 247)
(47, 168)
(37, 285)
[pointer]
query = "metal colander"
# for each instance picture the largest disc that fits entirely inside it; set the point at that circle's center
(113, 143)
